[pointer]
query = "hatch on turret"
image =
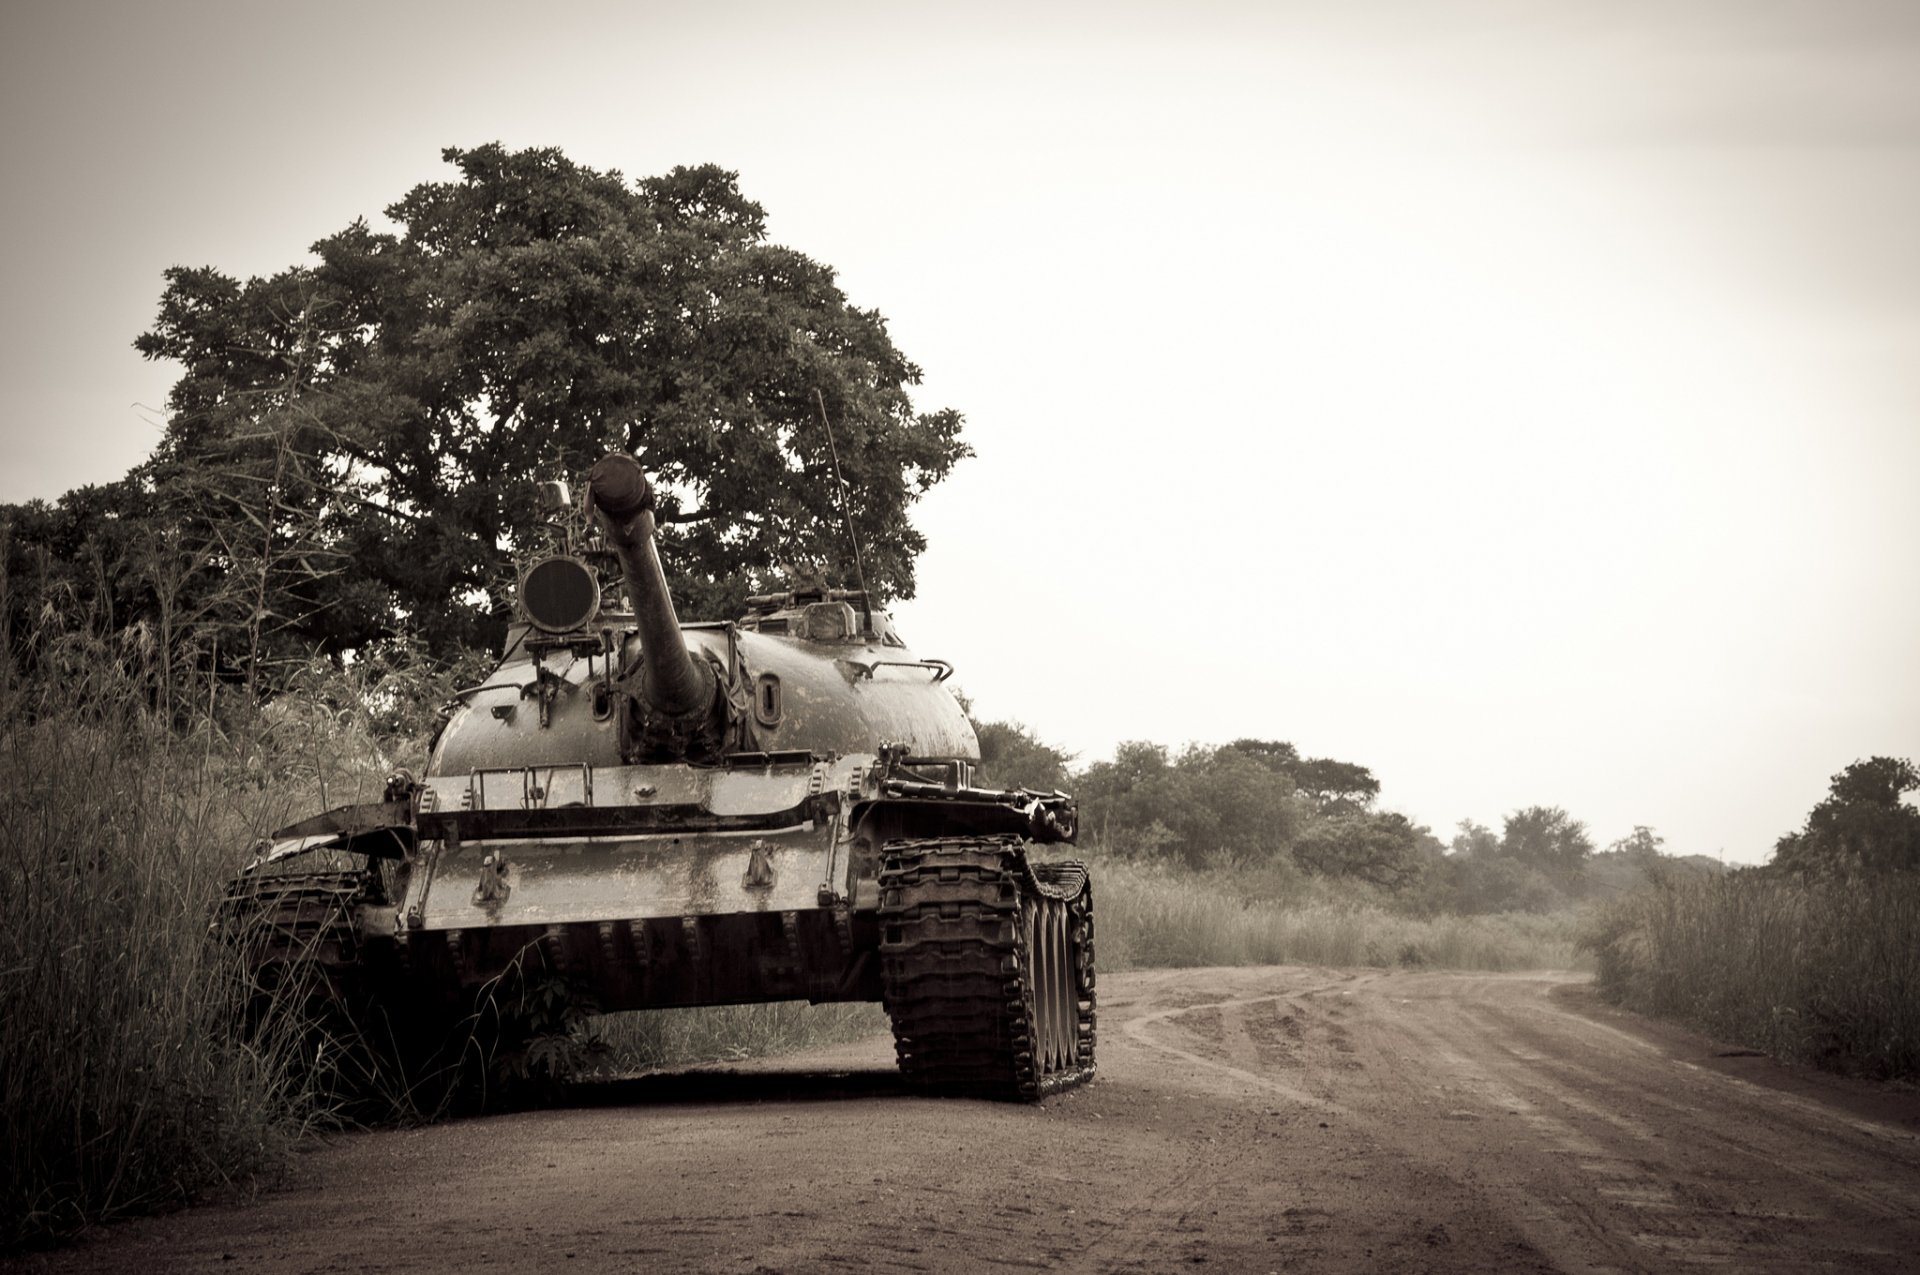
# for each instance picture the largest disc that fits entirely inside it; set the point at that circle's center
(820, 615)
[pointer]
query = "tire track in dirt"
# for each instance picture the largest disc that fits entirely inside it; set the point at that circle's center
(1141, 1031)
(1660, 1164)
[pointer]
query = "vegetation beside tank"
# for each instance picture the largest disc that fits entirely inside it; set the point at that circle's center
(1814, 958)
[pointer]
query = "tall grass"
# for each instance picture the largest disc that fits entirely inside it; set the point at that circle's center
(1150, 914)
(1823, 972)
(123, 1084)
(120, 1086)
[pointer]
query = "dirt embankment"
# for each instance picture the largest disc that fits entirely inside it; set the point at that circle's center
(1244, 1120)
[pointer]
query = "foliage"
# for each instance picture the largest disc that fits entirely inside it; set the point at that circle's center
(1012, 756)
(124, 1084)
(1201, 802)
(1384, 849)
(538, 1031)
(120, 1089)
(532, 314)
(1814, 969)
(1257, 801)
(1547, 839)
(1492, 883)
(1641, 845)
(1474, 841)
(1334, 787)
(1485, 872)
(649, 1039)
(352, 448)
(1862, 826)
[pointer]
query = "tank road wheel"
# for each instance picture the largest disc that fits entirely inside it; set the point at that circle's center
(987, 967)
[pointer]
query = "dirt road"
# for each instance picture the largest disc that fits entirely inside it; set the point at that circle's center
(1244, 1120)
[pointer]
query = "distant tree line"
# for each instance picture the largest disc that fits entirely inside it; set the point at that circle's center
(1260, 802)
(1257, 801)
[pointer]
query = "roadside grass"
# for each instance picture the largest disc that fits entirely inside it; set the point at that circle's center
(121, 1087)
(124, 1086)
(1150, 915)
(1822, 972)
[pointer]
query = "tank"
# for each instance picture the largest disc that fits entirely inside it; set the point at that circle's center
(633, 812)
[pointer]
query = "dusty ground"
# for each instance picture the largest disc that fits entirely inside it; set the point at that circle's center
(1244, 1120)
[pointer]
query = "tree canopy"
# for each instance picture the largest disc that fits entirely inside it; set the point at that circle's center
(1014, 757)
(363, 433)
(1198, 803)
(1251, 801)
(1547, 838)
(1862, 825)
(1335, 787)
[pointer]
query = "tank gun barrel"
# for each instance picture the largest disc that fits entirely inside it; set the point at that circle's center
(622, 501)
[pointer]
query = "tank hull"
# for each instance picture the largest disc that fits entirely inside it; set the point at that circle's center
(810, 954)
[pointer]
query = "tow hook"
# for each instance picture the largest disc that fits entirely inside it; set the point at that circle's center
(493, 888)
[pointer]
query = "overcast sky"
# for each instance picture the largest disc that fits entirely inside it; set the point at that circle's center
(1520, 399)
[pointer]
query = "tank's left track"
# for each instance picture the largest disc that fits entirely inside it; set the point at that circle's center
(987, 967)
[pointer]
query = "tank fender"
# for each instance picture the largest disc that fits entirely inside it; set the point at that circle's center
(377, 829)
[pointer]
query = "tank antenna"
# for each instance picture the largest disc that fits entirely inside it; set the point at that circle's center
(846, 516)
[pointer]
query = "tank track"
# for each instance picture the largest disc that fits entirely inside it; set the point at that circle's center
(987, 967)
(307, 988)
(366, 1042)
(296, 926)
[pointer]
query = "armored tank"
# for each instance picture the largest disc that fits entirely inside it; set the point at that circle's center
(652, 813)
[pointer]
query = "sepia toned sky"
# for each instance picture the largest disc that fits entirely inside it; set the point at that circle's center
(1520, 399)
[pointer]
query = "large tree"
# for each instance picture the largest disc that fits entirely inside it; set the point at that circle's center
(1547, 838)
(1862, 825)
(1334, 787)
(401, 396)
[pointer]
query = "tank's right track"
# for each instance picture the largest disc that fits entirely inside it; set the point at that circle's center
(987, 967)
(296, 926)
(296, 936)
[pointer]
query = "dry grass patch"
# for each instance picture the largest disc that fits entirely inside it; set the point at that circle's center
(1152, 915)
(1823, 972)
